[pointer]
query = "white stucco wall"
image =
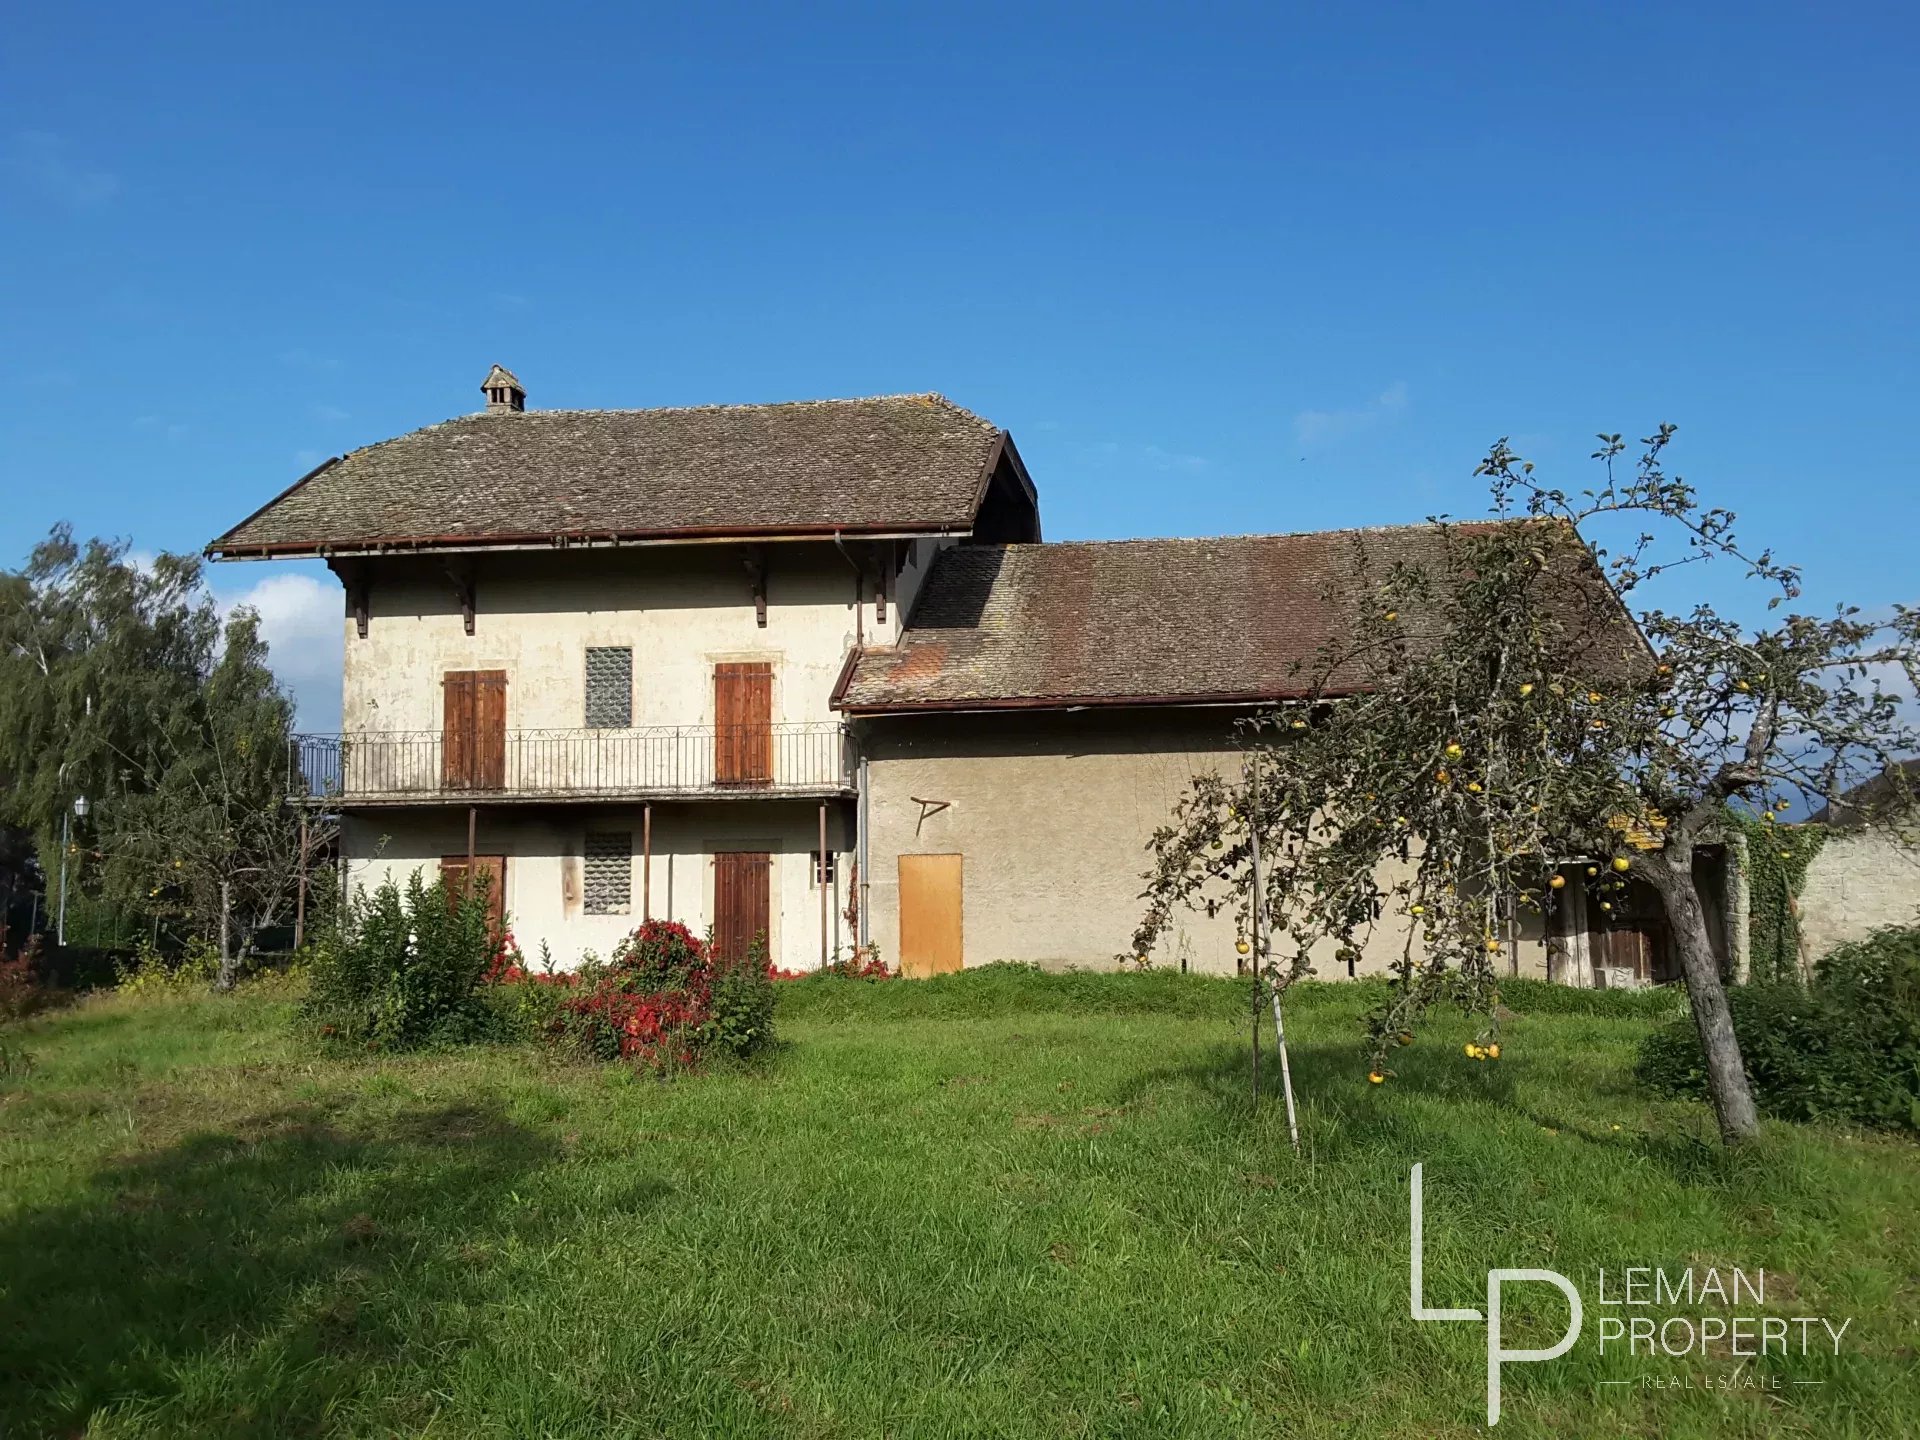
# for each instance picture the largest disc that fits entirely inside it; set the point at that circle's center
(543, 848)
(1052, 814)
(682, 608)
(1859, 881)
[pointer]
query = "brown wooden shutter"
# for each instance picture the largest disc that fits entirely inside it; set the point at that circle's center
(741, 901)
(473, 730)
(743, 724)
(490, 730)
(456, 729)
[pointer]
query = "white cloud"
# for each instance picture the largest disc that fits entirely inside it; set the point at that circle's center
(1326, 427)
(301, 621)
(45, 163)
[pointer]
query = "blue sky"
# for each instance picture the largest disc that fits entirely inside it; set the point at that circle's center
(1218, 270)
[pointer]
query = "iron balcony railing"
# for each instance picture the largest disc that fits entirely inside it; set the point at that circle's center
(809, 758)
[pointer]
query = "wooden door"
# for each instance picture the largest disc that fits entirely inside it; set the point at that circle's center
(740, 901)
(490, 872)
(930, 914)
(743, 724)
(473, 729)
(1633, 935)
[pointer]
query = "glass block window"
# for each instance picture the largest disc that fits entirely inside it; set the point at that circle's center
(609, 872)
(609, 687)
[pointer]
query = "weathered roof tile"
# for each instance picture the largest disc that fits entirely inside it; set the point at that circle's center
(1232, 618)
(902, 462)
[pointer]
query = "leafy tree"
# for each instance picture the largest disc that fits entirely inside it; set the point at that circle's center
(1494, 713)
(121, 682)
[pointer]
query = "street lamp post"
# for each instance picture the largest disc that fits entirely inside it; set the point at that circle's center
(80, 808)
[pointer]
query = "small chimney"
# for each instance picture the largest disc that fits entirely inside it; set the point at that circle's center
(505, 394)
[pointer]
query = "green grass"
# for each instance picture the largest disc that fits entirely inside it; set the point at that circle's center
(999, 1204)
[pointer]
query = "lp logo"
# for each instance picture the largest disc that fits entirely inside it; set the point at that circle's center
(1497, 1355)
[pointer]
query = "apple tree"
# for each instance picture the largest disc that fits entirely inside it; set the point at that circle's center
(1498, 711)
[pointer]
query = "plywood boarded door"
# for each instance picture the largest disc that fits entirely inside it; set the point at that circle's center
(473, 729)
(740, 901)
(930, 911)
(743, 724)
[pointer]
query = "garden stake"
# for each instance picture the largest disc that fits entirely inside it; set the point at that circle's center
(1253, 931)
(1257, 914)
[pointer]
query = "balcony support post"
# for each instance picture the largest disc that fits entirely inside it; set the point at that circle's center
(646, 861)
(473, 824)
(826, 887)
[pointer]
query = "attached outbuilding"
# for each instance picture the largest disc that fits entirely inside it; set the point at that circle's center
(1047, 705)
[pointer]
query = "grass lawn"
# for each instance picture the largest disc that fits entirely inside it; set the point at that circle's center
(1000, 1204)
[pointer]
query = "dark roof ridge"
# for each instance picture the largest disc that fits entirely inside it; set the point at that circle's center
(925, 396)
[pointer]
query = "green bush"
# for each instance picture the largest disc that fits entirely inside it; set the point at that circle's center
(740, 1014)
(405, 969)
(148, 972)
(1846, 1048)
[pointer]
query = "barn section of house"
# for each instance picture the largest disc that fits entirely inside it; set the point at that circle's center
(1046, 706)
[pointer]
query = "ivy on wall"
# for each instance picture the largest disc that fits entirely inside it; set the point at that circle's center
(1777, 860)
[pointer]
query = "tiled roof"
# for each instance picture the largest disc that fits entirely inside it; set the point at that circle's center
(1886, 795)
(893, 463)
(1149, 621)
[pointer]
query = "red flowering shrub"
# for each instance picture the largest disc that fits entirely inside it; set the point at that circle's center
(859, 967)
(508, 964)
(664, 1000)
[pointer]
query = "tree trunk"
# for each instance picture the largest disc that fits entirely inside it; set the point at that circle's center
(1672, 876)
(224, 981)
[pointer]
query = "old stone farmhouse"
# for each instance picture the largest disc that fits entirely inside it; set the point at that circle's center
(805, 672)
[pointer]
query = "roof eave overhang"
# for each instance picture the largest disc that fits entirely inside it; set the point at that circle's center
(1088, 702)
(224, 549)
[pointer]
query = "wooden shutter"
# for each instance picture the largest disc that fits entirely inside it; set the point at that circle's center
(473, 729)
(456, 729)
(741, 896)
(490, 730)
(931, 891)
(743, 724)
(488, 870)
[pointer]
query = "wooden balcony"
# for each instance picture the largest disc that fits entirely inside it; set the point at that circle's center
(425, 767)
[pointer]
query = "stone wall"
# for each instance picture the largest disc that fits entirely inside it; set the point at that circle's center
(1860, 880)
